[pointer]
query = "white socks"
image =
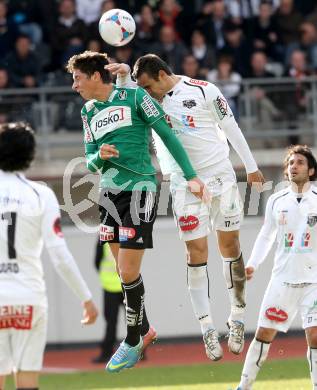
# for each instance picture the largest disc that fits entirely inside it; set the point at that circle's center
(233, 270)
(256, 356)
(198, 286)
(312, 360)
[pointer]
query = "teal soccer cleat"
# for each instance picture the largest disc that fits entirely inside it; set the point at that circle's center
(125, 357)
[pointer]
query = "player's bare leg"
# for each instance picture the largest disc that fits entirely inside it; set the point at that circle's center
(2, 381)
(198, 286)
(27, 380)
(130, 350)
(256, 356)
(311, 336)
(233, 269)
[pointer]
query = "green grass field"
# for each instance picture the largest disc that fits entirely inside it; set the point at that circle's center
(289, 374)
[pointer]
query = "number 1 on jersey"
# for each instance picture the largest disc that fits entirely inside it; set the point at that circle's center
(11, 218)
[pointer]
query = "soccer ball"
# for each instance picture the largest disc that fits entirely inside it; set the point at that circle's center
(117, 27)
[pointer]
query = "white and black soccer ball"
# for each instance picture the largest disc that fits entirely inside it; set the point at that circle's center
(117, 27)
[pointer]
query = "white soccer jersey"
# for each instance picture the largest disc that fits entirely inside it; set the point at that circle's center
(294, 226)
(200, 116)
(29, 217)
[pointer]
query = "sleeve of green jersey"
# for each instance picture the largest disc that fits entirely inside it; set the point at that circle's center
(94, 162)
(175, 147)
(149, 110)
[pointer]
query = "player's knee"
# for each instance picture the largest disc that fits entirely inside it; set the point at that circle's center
(265, 335)
(197, 251)
(230, 247)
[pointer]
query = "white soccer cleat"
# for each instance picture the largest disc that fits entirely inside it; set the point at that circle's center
(213, 348)
(236, 337)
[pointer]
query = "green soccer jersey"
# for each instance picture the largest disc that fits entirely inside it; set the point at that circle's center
(124, 120)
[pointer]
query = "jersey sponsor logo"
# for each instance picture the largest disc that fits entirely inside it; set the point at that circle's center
(17, 317)
(221, 107)
(305, 240)
(126, 233)
(87, 132)
(275, 314)
(149, 107)
(12, 267)
(122, 95)
(188, 121)
(311, 220)
(106, 233)
(57, 227)
(110, 119)
(198, 82)
(302, 245)
(189, 103)
(288, 240)
(188, 223)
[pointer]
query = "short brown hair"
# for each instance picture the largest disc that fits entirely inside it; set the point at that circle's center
(90, 62)
(150, 64)
(304, 151)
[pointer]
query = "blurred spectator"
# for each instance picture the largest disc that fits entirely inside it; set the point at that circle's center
(246, 9)
(88, 10)
(296, 100)
(169, 49)
(68, 35)
(168, 14)
(146, 28)
(23, 64)
(8, 31)
(212, 24)
(263, 31)
(94, 45)
(204, 54)
(287, 21)
(307, 43)
(228, 81)
(26, 15)
(259, 66)
(190, 67)
(237, 47)
(4, 106)
(126, 54)
(263, 106)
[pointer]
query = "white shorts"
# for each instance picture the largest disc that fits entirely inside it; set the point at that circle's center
(281, 303)
(225, 212)
(22, 338)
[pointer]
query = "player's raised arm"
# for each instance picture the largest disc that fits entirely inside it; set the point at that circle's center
(264, 241)
(223, 115)
(123, 73)
(61, 257)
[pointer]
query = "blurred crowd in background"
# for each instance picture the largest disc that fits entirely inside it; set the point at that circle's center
(219, 41)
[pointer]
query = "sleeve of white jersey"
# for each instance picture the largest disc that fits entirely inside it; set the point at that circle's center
(223, 115)
(125, 81)
(60, 255)
(265, 238)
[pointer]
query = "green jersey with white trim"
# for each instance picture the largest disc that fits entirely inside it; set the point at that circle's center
(125, 121)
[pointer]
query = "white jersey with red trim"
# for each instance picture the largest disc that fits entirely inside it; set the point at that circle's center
(29, 217)
(200, 116)
(293, 224)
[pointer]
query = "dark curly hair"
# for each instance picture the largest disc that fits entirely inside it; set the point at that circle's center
(17, 146)
(304, 151)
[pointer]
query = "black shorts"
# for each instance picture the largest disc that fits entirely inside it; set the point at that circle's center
(127, 217)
